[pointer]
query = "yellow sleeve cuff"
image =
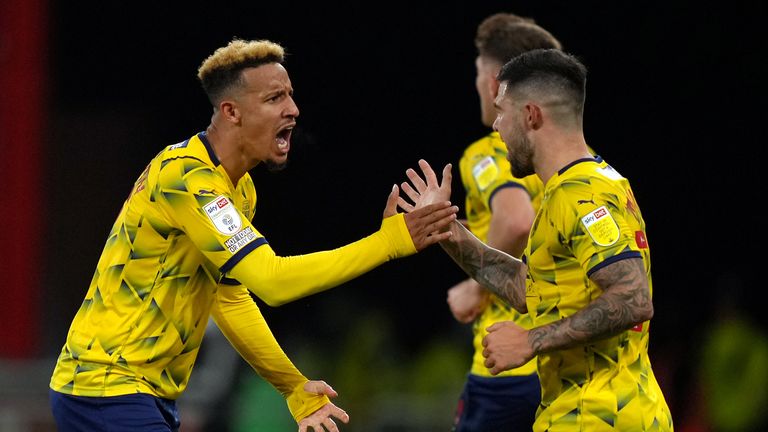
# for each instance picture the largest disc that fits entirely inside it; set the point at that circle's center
(302, 403)
(396, 233)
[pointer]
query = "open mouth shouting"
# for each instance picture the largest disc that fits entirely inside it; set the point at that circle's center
(283, 139)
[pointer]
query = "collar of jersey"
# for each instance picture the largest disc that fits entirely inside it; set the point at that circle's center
(204, 138)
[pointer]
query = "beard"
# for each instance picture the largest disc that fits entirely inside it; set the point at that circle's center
(273, 166)
(521, 157)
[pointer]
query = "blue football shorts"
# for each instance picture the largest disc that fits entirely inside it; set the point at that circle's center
(126, 413)
(498, 404)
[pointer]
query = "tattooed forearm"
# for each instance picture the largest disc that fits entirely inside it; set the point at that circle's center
(625, 302)
(495, 270)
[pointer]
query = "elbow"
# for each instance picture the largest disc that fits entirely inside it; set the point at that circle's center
(648, 312)
(520, 307)
(274, 301)
(277, 297)
(269, 295)
(642, 314)
(519, 236)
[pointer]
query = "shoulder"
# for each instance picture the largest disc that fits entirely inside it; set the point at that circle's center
(489, 145)
(584, 188)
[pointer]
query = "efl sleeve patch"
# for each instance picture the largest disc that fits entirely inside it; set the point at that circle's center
(237, 241)
(485, 172)
(601, 227)
(223, 215)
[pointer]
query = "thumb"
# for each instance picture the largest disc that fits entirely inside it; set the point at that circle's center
(493, 327)
(320, 387)
(447, 174)
(391, 207)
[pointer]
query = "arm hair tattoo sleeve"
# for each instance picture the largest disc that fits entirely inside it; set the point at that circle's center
(495, 270)
(625, 302)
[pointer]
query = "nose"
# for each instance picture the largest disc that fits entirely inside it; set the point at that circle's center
(291, 110)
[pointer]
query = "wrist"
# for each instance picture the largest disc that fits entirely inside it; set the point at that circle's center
(301, 403)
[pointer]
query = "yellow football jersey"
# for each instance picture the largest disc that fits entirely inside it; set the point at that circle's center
(182, 250)
(145, 312)
(484, 170)
(589, 218)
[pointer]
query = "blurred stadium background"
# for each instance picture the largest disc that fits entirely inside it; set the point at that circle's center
(676, 101)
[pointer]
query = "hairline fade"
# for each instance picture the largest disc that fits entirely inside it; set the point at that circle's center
(553, 76)
(222, 69)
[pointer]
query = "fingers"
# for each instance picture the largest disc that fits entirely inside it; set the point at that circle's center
(330, 425)
(416, 179)
(391, 208)
(434, 238)
(326, 424)
(437, 227)
(447, 173)
(320, 387)
(408, 189)
(494, 367)
(433, 209)
(429, 173)
(493, 327)
(321, 420)
(339, 413)
(443, 217)
(405, 205)
(434, 222)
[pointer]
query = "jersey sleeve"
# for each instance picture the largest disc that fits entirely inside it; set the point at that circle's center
(593, 224)
(278, 280)
(196, 197)
(226, 237)
(241, 321)
(484, 174)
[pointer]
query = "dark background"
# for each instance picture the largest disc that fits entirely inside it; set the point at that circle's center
(676, 102)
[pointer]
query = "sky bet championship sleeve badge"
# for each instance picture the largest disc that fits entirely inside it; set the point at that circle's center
(223, 215)
(485, 172)
(601, 227)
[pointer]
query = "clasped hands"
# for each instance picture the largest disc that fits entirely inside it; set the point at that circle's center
(506, 344)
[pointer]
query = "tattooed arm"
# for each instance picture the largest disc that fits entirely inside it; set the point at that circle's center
(499, 272)
(625, 302)
(496, 270)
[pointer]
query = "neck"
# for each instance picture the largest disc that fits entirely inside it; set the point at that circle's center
(224, 145)
(558, 150)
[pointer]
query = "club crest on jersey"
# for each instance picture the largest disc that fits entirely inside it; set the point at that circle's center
(223, 215)
(485, 172)
(601, 227)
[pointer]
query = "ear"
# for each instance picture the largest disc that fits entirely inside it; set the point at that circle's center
(534, 117)
(230, 111)
(493, 86)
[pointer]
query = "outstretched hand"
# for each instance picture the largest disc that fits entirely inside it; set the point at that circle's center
(427, 222)
(427, 190)
(321, 420)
